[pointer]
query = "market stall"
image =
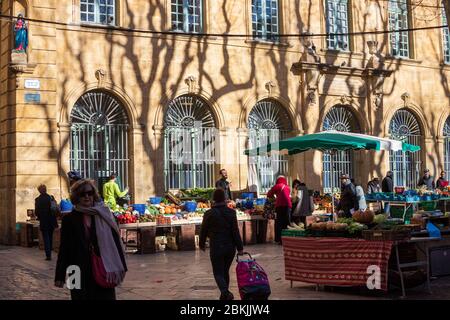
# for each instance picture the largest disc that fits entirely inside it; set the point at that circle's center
(344, 253)
(176, 220)
(338, 251)
(332, 141)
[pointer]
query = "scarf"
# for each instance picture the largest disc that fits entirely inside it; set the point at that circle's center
(109, 252)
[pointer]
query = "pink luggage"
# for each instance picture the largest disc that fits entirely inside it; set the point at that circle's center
(252, 280)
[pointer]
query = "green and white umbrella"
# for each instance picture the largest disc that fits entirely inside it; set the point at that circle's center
(332, 140)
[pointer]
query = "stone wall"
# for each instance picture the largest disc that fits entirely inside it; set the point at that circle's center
(146, 71)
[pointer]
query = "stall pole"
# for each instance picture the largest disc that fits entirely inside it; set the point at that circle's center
(332, 184)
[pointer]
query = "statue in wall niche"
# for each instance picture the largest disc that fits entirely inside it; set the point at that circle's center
(312, 76)
(20, 34)
(375, 60)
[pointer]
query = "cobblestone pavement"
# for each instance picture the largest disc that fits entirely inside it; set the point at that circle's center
(24, 274)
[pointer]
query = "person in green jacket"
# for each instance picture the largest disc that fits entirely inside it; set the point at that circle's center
(111, 192)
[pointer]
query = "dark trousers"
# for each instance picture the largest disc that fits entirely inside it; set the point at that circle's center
(47, 235)
(281, 221)
(221, 260)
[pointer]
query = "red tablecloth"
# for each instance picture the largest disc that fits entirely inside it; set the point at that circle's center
(335, 261)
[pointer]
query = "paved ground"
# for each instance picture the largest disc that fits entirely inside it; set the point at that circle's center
(24, 274)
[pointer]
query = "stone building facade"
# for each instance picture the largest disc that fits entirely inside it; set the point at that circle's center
(114, 86)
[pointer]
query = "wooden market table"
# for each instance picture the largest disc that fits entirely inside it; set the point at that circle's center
(254, 229)
(347, 262)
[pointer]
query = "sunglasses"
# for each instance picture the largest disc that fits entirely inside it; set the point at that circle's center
(87, 193)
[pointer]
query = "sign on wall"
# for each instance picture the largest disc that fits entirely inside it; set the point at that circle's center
(32, 97)
(32, 84)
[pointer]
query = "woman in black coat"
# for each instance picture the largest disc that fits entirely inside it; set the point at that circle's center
(221, 227)
(90, 226)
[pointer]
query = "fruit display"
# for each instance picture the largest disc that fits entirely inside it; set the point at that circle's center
(127, 217)
(380, 218)
(324, 202)
(329, 226)
(147, 218)
(366, 216)
(197, 193)
(294, 226)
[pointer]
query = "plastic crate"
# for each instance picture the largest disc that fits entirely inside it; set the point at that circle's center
(428, 206)
(398, 211)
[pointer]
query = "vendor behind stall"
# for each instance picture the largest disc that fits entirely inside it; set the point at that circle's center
(348, 199)
(111, 192)
(442, 181)
(373, 186)
(427, 180)
(222, 183)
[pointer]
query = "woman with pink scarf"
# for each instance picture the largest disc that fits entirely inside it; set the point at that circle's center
(90, 240)
(283, 205)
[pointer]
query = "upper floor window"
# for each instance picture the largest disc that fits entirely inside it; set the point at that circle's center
(98, 11)
(187, 16)
(398, 20)
(337, 24)
(446, 36)
(265, 20)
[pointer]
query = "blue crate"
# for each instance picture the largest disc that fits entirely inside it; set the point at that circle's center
(155, 200)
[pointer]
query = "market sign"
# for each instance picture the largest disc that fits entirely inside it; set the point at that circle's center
(32, 97)
(32, 84)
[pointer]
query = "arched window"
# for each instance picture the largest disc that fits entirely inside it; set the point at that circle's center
(405, 165)
(189, 144)
(339, 118)
(268, 122)
(99, 138)
(447, 145)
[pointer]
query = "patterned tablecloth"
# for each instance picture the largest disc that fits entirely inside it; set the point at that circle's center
(336, 261)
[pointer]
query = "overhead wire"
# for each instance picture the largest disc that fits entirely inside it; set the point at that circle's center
(9, 18)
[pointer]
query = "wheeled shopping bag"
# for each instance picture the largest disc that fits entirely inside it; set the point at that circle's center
(252, 280)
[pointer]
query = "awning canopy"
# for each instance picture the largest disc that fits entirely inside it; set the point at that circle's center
(332, 140)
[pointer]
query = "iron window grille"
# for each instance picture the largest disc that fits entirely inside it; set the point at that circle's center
(339, 118)
(187, 16)
(98, 11)
(268, 122)
(337, 21)
(446, 38)
(398, 20)
(405, 165)
(99, 138)
(265, 20)
(189, 144)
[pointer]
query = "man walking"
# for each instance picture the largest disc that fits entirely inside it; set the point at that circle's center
(46, 214)
(224, 184)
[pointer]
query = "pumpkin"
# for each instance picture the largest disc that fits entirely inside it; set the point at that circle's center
(168, 210)
(363, 216)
